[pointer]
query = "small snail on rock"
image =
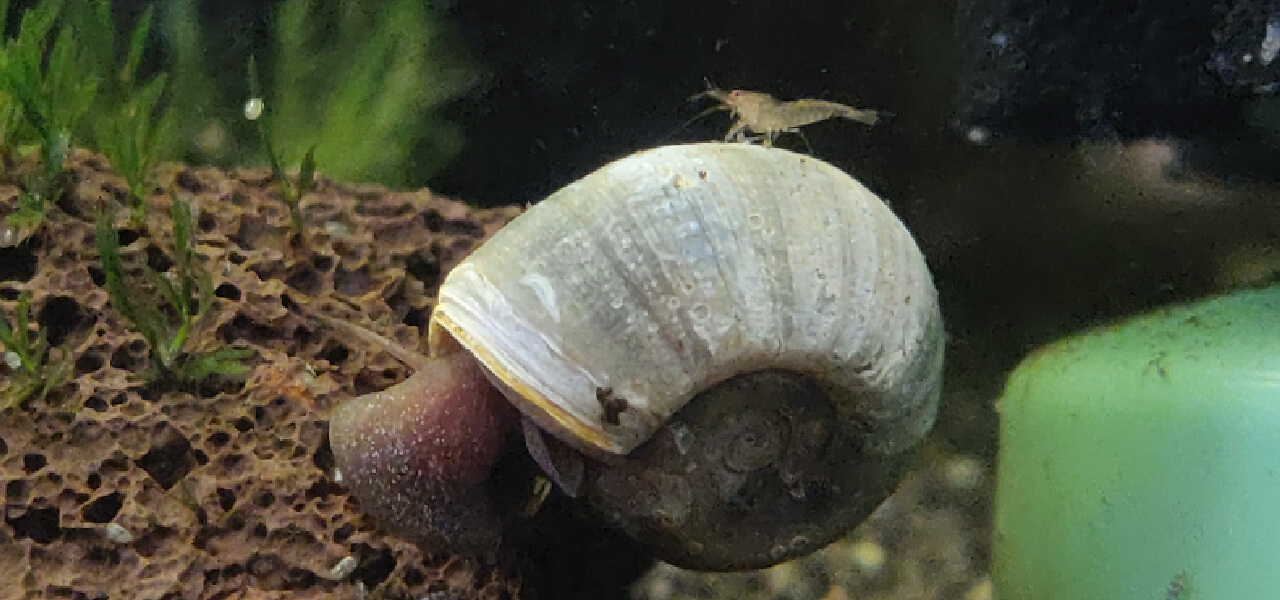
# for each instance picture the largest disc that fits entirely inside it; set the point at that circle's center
(732, 349)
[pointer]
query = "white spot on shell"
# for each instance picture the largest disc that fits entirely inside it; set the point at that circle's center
(541, 286)
(13, 359)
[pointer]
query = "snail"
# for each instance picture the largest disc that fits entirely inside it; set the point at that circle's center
(726, 351)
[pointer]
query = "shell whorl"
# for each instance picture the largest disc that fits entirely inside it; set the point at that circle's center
(673, 269)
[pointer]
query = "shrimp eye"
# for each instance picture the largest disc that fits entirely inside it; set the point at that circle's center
(735, 94)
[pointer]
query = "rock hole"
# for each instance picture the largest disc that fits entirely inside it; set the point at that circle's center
(323, 458)
(58, 317)
(397, 301)
(304, 279)
(104, 557)
(242, 327)
(170, 460)
(71, 496)
(322, 489)
(436, 223)
(207, 222)
(219, 439)
(89, 362)
(40, 525)
(127, 236)
(343, 533)
(157, 260)
(97, 275)
(15, 490)
(116, 465)
(413, 577)
(322, 262)
(33, 462)
(130, 357)
(226, 499)
(189, 181)
(333, 352)
(227, 291)
(417, 317)
(18, 263)
(351, 283)
(376, 570)
(425, 267)
(103, 509)
(152, 541)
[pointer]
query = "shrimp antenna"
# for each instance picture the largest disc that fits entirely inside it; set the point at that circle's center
(689, 122)
(710, 92)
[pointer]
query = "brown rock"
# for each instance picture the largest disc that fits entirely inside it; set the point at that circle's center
(117, 486)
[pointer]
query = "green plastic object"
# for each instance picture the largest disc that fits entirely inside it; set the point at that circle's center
(1141, 461)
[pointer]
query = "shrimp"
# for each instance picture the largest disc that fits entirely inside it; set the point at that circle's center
(761, 113)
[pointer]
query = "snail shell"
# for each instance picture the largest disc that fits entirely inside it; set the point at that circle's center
(773, 294)
(677, 268)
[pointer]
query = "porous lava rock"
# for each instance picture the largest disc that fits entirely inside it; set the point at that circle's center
(119, 486)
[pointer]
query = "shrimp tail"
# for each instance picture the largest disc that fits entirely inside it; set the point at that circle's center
(869, 117)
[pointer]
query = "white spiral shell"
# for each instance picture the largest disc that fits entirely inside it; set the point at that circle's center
(676, 268)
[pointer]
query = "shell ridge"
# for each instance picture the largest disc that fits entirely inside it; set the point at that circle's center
(717, 330)
(618, 224)
(762, 328)
(727, 242)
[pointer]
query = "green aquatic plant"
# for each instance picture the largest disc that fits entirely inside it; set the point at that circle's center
(290, 193)
(30, 375)
(363, 83)
(187, 296)
(50, 96)
(128, 123)
(84, 73)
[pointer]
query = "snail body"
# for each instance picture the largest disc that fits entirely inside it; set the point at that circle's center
(740, 343)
